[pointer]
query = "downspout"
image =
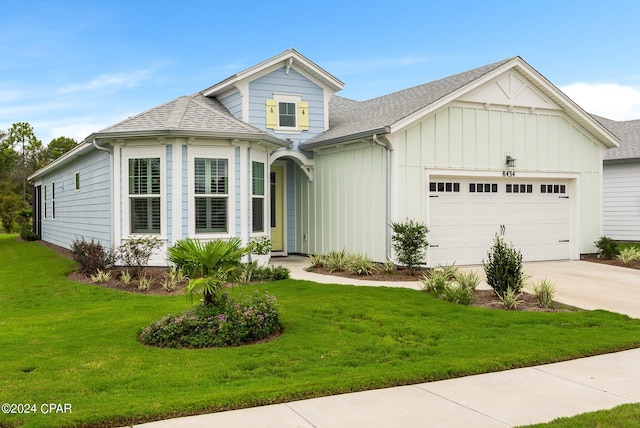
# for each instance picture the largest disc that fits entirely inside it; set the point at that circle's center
(387, 145)
(111, 184)
(104, 149)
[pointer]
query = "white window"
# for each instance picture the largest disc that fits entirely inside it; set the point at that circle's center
(257, 196)
(53, 200)
(211, 193)
(144, 195)
(287, 113)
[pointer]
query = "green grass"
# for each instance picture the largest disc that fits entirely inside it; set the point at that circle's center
(627, 244)
(624, 416)
(63, 342)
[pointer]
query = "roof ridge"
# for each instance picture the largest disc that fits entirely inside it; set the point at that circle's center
(488, 67)
(175, 118)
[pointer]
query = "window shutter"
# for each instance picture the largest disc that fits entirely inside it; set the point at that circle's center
(303, 115)
(272, 114)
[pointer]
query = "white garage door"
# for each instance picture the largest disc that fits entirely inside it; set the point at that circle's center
(466, 214)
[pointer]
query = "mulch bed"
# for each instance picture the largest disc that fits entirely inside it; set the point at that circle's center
(482, 298)
(613, 262)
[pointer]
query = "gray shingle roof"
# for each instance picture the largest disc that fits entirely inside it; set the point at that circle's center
(629, 134)
(187, 113)
(349, 117)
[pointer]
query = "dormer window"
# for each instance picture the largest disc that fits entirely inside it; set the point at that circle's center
(287, 113)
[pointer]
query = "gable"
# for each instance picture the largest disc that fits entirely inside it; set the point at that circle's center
(511, 89)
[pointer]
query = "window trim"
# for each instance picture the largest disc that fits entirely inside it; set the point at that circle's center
(211, 152)
(148, 196)
(138, 153)
(211, 195)
(294, 99)
(77, 180)
(257, 196)
(53, 200)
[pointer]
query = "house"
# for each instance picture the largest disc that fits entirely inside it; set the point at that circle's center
(273, 151)
(621, 178)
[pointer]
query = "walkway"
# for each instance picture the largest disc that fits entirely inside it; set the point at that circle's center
(504, 399)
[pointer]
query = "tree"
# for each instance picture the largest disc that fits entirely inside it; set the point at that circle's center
(410, 243)
(59, 146)
(30, 151)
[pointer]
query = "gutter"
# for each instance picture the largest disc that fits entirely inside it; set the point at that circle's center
(346, 138)
(104, 149)
(383, 142)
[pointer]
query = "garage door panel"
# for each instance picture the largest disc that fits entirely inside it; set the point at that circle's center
(463, 224)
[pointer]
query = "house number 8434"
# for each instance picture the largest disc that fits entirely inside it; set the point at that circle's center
(508, 173)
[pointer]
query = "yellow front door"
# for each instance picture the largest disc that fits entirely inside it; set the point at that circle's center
(277, 208)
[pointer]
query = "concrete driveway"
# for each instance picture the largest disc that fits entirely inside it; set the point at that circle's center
(591, 285)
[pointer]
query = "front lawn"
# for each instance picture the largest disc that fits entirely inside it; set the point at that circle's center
(68, 343)
(624, 416)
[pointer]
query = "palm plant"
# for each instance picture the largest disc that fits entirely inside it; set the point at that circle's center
(207, 264)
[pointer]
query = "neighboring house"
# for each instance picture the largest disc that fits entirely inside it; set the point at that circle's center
(271, 151)
(621, 183)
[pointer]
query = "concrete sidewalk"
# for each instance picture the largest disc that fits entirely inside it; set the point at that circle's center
(503, 399)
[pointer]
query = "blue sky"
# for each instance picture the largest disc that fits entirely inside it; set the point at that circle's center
(74, 67)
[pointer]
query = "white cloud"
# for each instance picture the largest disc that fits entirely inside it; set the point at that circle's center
(610, 100)
(109, 81)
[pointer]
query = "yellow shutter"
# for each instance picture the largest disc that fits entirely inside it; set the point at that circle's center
(272, 114)
(303, 115)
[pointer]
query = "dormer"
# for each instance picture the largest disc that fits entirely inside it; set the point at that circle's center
(287, 96)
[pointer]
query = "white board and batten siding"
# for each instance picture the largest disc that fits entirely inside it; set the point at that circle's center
(621, 202)
(472, 141)
(83, 213)
(343, 208)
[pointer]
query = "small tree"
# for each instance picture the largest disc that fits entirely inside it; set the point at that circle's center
(207, 265)
(503, 267)
(409, 241)
(135, 253)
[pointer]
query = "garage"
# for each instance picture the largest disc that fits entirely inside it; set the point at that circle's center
(533, 214)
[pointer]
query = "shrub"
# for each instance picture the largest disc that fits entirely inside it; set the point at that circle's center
(136, 252)
(28, 235)
(91, 256)
(510, 299)
(360, 264)
(607, 247)
(435, 282)
(469, 280)
(277, 273)
(125, 277)
(145, 283)
(336, 261)
(248, 272)
(228, 323)
(544, 292)
(261, 246)
(503, 268)
(457, 293)
(388, 267)
(251, 272)
(409, 241)
(317, 260)
(629, 255)
(101, 276)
